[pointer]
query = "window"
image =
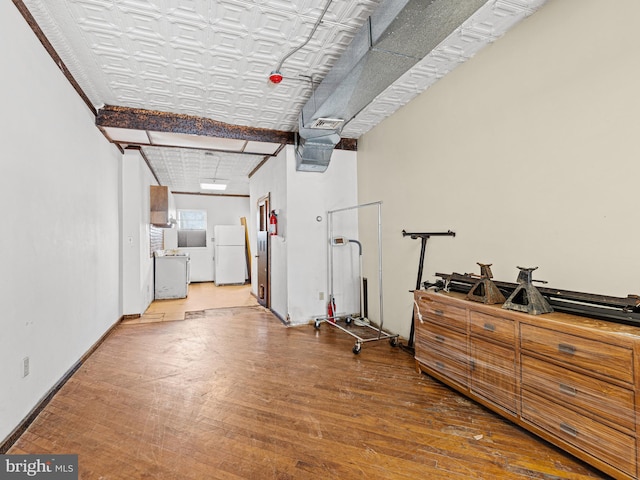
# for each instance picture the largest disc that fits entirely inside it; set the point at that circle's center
(192, 220)
(192, 228)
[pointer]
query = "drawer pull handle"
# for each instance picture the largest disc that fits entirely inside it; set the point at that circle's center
(439, 338)
(440, 365)
(565, 348)
(490, 327)
(569, 390)
(438, 312)
(566, 428)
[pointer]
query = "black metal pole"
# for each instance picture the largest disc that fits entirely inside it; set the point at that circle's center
(424, 236)
(423, 248)
(365, 298)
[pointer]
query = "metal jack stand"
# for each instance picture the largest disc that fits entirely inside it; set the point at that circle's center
(423, 236)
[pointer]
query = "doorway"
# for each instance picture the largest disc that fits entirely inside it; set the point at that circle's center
(264, 288)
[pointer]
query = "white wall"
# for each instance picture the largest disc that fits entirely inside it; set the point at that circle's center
(299, 252)
(311, 195)
(137, 262)
(220, 210)
(271, 179)
(59, 187)
(528, 151)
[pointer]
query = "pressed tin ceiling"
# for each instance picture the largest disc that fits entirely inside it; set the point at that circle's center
(212, 59)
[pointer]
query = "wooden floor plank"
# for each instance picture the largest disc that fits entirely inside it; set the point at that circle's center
(232, 393)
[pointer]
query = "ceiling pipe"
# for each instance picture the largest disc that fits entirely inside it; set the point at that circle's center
(276, 76)
(394, 38)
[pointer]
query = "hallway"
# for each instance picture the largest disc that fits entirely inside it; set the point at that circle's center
(202, 296)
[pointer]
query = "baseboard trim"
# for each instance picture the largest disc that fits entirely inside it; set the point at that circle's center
(284, 321)
(13, 437)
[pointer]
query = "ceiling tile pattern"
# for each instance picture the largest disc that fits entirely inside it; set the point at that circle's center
(212, 58)
(185, 168)
(204, 58)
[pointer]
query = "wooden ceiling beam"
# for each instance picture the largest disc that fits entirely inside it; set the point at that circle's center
(153, 120)
(157, 121)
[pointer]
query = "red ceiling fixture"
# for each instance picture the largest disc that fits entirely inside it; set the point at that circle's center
(275, 77)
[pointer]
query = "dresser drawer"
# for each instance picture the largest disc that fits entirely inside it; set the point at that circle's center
(441, 313)
(451, 364)
(440, 337)
(443, 350)
(493, 373)
(605, 443)
(596, 356)
(494, 328)
(579, 392)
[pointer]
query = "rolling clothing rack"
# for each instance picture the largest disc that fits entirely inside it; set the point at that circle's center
(423, 236)
(343, 322)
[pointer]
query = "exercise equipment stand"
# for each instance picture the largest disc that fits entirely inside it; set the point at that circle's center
(423, 236)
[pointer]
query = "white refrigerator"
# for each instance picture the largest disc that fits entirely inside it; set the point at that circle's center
(229, 255)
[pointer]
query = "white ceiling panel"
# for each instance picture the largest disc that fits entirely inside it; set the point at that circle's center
(196, 141)
(126, 135)
(266, 148)
(184, 169)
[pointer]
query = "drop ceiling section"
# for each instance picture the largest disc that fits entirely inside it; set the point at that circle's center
(184, 168)
(126, 137)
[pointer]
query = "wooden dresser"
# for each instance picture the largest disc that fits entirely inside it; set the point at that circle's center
(574, 381)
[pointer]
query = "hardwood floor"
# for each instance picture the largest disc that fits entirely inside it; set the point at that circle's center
(231, 393)
(201, 296)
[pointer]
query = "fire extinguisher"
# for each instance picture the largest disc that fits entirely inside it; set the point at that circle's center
(331, 310)
(273, 223)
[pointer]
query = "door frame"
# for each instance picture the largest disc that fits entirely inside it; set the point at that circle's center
(263, 209)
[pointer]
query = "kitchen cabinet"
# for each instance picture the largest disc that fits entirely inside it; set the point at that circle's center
(162, 206)
(574, 381)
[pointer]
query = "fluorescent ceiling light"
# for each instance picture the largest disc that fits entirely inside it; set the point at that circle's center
(213, 186)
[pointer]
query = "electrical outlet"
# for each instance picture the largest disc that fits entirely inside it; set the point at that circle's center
(320, 295)
(25, 367)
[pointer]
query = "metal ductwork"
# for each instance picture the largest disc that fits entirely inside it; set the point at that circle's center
(394, 38)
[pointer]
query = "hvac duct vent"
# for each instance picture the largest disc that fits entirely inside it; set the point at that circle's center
(395, 37)
(314, 154)
(327, 123)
